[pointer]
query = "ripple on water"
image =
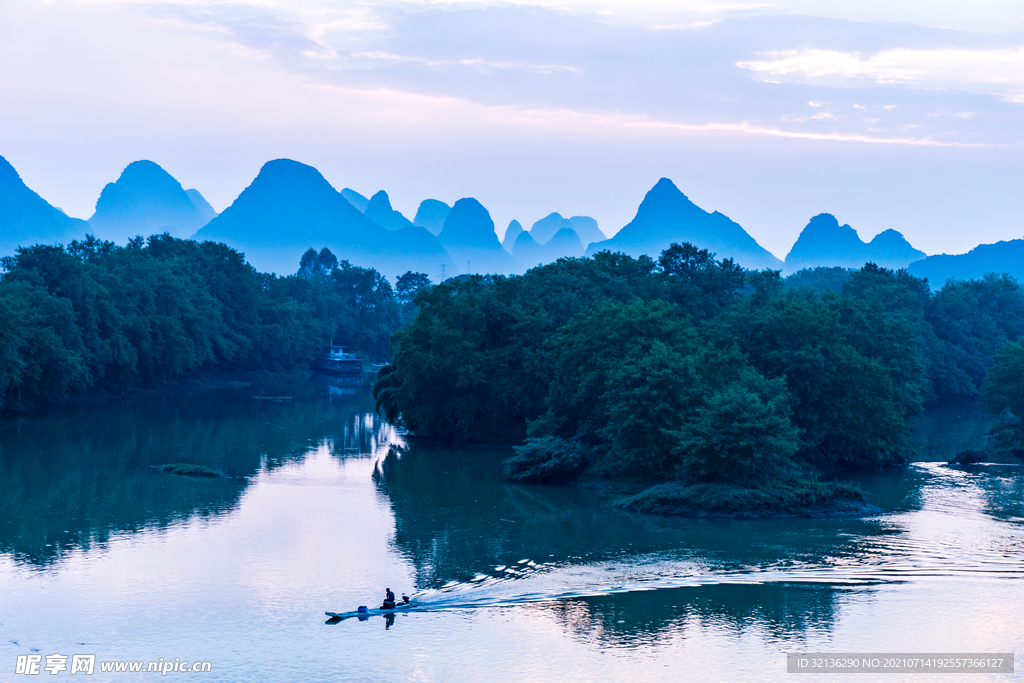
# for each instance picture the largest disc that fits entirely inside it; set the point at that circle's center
(951, 536)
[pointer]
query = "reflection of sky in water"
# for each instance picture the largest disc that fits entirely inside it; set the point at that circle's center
(566, 586)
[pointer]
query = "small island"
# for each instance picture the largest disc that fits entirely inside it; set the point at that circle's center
(697, 387)
(189, 470)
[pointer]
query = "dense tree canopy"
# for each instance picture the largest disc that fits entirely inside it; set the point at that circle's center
(95, 315)
(691, 367)
(1003, 394)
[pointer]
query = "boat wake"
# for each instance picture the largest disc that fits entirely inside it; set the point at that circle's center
(951, 537)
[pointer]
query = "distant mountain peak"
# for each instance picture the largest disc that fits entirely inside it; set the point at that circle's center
(1001, 257)
(291, 174)
(667, 216)
(380, 200)
(379, 211)
(512, 233)
(587, 230)
(355, 199)
(469, 224)
(585, 227)
(431, 214)
(824, 242)
(27, 219)
(145, 199)
(565, 242)
(469, 237)
(290, 207)
(664, 186)
(544, 229)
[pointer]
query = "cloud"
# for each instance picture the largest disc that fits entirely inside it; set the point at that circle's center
(477, 62)
(531, 109)
(997, 72)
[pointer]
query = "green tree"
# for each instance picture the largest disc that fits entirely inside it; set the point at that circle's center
(741, 435)
(409, 285)
(1003, 393)
(695, 280)
(971, 321)
(853, 370)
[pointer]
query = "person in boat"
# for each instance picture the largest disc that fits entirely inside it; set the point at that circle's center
(389, 599)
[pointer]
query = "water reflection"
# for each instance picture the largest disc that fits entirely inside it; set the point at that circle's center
(70, 479)
(779, 612)
(944, 431)
(476, 540)
(517, 581)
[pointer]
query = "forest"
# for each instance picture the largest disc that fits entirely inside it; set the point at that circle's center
(96, 317)
(723, 388)
(719, 387)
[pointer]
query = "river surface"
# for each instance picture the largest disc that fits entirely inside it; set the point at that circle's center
(101, 553)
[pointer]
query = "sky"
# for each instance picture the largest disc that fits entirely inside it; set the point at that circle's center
(903, 115)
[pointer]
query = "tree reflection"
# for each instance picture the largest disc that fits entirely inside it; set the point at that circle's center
(475, 537)
(782, 613)
(72, 479)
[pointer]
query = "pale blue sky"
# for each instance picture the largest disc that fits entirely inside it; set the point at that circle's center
(889, 115)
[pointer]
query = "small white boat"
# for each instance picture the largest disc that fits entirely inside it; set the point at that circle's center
(376, 611)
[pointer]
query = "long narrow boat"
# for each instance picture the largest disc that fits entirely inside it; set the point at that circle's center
(376, 611)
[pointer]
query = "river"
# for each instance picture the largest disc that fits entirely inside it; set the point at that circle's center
(102, 554)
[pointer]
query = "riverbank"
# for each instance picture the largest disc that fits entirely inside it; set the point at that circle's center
(799, 498)
(557, 461)
(209, 382)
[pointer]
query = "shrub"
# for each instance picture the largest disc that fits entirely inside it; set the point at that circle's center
(548, 459)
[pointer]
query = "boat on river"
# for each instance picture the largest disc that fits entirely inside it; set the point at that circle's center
(333, 359)
(376, 611)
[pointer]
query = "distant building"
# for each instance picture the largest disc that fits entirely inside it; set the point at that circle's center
(334, 360)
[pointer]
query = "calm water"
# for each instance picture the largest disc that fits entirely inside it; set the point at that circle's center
(102, 554)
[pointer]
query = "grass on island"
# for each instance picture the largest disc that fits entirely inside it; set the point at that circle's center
(793, 497)
(187, 470)
(548, 460)
(968, 457)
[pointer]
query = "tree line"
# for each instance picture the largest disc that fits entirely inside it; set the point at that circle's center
(96, 316)
(692, 369)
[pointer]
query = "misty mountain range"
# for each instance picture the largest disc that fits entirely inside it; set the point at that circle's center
(290, 207)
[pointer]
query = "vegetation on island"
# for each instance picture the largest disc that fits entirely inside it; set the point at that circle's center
(717, 388)
(1003, 394)
(96, 316)
(723, 390)
(189, 470)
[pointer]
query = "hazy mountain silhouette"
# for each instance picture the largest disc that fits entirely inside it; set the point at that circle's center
(27, 219)
(431, 215)
(890, 247)
(1001, 257)
(202, 206)
(823, 242)
(290, 207)
(565, 243)
(145, 200)
(586, 228)
(526, 250)
(666, 216)
(512, 233)
(469, 237)
(380, 212)
(529, 253)
(544, 229)
(355, 199)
